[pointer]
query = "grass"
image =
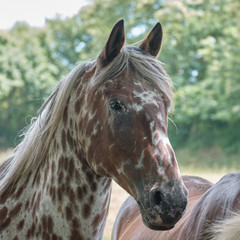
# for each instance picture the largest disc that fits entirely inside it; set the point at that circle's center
(212, 159)
(5, 153)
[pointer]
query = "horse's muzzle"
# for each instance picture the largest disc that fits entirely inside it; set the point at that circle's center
(162, 208)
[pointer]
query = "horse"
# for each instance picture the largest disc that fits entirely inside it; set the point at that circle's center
(226, 229)
(107, 120)
(210, 207)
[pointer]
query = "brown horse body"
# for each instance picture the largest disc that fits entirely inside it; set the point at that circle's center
(207, 204)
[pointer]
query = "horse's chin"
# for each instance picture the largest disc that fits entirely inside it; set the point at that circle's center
(153, 221)
(156, 225)
(159, 227)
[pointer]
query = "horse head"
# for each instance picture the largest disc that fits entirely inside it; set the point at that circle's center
(123, 126)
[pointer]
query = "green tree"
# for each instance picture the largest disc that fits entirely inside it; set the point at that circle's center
(200, 50)
(25, 78)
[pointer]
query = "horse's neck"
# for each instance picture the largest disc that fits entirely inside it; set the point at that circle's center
(63, 197)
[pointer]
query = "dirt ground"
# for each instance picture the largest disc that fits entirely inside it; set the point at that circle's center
(119, 195)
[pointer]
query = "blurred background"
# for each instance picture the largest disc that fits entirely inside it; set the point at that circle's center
(201, 53)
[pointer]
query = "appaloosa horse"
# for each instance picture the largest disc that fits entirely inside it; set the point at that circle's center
(106, 120)
(209, 214)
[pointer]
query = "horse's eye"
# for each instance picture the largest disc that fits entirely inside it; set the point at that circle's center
(117, 106)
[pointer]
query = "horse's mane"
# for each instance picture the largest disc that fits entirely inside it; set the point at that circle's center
(227, 229)
(30, 152)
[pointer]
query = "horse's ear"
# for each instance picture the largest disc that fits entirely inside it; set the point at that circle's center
(152, 43)
(114, 44)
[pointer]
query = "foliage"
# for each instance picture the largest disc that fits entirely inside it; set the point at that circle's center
(201, 51)
(25, 78)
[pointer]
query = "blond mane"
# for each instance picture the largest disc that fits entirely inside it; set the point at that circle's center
(30, 152)
(227, 229)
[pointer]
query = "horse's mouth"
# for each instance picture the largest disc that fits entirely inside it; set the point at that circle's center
(152, 220)
(161, 228)
(155, 223)
(161, 210)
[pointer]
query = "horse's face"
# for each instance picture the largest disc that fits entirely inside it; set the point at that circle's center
(127, 141)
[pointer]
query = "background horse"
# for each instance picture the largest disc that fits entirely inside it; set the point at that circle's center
(226, 229)
(207, 205)
(106, 120)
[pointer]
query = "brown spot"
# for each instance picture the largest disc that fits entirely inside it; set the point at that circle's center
(79, 90)
(53, 167)
(68, 211)
(44, 223)
(94, 187)
(75, 235)
(84, 188)
(51, 191)
(37, 203)
(90, 199)
(35, 178)
(45, 236)
(63, 140)
(19, 193)
(97, 219)
(59, 209)
(54, 237)
(60, 178)
(27, 180)
(89, 176)
(60, 164)
(31, 231)
(79, 193)
(53, 195)
(12, 191)
(20, 225)
(27, 205)
(5, 223)
(38, 178)
(65, 163)
(77, 106)
(33, 198)
(65, 115)
(77, 175)
(55, 144)
(15, 211)
(63, 189)
(71, 168)
(75, 223)
(70, 139)
(3, 199)
(15, 238)
(50, 224)
(3, 213)
(71, 123)
(59, 193)
(86, 210)
(71, 195)
(156, 135)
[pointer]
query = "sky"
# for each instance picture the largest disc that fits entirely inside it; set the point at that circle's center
(34, 12)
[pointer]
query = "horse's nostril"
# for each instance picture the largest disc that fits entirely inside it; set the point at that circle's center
(156, 197)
